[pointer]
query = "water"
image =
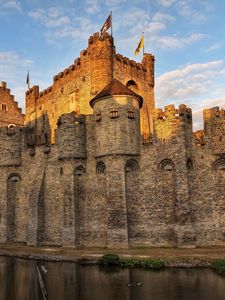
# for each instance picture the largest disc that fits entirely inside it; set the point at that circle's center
(68, 281)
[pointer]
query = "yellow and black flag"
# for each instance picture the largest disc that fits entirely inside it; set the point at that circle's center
(140, 45)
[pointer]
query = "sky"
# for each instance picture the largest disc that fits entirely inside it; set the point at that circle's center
(187, 38)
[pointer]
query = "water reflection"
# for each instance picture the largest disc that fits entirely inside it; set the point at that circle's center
(65, 281)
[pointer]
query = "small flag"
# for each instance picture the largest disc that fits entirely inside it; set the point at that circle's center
(28, 80)
(107, 24)
(140, 45)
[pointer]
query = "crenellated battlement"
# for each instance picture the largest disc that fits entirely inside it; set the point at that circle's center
(96, 38)
(71, 136)
(130, 62)
(171, 112)
(213, 114)
(214, 129)
(172, 123)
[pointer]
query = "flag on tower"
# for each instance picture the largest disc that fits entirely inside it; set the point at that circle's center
(140, 45)
(107, 24)
(28, 80)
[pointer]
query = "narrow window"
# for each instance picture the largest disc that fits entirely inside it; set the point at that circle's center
(113, 113)
(98, 117)
(130, 113)
(4, 107)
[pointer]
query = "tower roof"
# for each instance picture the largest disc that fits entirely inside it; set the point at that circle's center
(115, 87)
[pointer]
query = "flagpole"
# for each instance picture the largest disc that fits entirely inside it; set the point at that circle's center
(112, 48)
(144, 43)
(111, 25)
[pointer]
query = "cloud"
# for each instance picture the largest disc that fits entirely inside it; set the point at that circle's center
(175, 42)
(50, 18)
(10, 6)
(190, 9)
(166, 3)
(92, 6)
(154, 27)
(134, 16)
(13, 4)
(196, 85)
(13, 59)
(138, 20)
(160, 17)
(214, 47)
(58, 24)
(185, 9)
(13, 69)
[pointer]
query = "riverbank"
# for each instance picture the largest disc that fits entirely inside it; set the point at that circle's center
(174, 257)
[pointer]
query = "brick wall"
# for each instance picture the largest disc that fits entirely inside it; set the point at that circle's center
(10, 113)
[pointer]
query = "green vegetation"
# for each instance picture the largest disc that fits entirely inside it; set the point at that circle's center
(219, 266)
(109, 260)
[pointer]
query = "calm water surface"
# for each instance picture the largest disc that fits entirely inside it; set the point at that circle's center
(65, 281)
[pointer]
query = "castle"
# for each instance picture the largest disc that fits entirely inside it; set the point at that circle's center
(96, 165)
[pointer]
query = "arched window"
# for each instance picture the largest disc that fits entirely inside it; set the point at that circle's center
(166, 165)
(189, 164)
(13, 190)
(80, 170)
(100, 167)
(219, 164)
(132, 166)
(11, 126)
(14, 177)
(131, 84)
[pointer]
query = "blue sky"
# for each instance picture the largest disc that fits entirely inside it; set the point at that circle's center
(187, 38)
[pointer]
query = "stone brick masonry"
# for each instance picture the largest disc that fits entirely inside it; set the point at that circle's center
(114, 172)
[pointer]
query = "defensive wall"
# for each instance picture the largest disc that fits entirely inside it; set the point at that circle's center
(94, 187)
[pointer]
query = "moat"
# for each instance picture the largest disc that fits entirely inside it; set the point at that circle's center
(65, 281)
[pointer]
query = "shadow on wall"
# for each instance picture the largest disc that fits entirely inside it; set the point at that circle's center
(38, 132)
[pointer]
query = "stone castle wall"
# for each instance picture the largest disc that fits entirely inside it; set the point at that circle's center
(111, 173)
(169, 193)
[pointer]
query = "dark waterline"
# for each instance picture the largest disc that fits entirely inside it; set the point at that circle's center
(69, 281)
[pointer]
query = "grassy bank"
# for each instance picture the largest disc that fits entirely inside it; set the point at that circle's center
(110, 259)
(218, 266)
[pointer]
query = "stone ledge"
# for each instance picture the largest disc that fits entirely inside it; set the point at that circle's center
(174, 257)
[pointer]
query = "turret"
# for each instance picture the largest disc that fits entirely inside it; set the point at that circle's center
(148, 62)
(31, 98)
(70, 136)
(214, 129)
(11, 146)
(174, 125)
(117, 137)
(117, 114)
(100, 52)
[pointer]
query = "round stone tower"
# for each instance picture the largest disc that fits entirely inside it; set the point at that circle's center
(117, 115)
(70, 136)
